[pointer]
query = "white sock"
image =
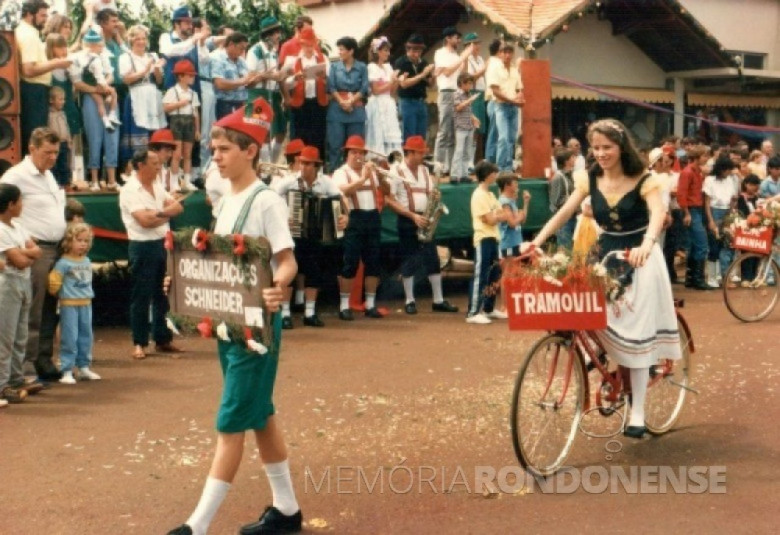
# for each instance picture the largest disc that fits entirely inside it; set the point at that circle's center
(214, 491)
(285, 310)
(187, 178)
(265, 154)
(370, 300)
(639, 380)
(343, 301)
(438, 295)
(409, 289)
(276, 150)
(309, 311)
(299, 297)
(281, 487)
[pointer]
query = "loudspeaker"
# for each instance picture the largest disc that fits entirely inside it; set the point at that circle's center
(9, 75)
(10, 142)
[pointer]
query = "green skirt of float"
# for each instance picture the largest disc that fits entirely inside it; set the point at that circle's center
(249, 377)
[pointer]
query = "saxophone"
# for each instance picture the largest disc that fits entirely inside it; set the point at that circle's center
(434, 209)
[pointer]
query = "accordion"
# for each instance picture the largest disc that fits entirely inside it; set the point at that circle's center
(313, 217)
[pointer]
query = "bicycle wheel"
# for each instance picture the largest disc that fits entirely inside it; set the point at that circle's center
(666, 392)
(750, 287)
(547, 405)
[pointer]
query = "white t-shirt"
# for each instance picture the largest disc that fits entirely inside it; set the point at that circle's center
(176, 93)
(344, 176)
(267, 218)
(13, 237)
(380, 74)
(419, 186)
(720, 192)
(132, 198)
(43, 215)
(444, 57)
(216, 186)
(322, 186)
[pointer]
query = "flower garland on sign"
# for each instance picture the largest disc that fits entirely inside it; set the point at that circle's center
(244, 250)
(763, 218)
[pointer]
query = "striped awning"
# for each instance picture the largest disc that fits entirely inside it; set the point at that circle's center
(568, 92)
(724, 100)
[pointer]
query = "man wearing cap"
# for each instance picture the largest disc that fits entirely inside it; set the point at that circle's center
(364, 191)
(413, 88)
(476, 67)
(252, 209)
(231, 76)
(409, 199)
(181, 43)
(308, 250)
(448, 64)
(35, 69)
(263, 59)
(505, 89)
(146, 210)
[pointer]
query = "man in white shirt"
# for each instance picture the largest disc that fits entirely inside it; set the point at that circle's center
(43, 218)
(146, 210)
(506, 90)
(447, 65)
(575, 147)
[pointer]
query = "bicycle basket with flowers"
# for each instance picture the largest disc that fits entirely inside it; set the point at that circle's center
(755, 232)
(558, 292)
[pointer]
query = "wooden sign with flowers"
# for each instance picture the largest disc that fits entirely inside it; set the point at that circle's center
(216, 286)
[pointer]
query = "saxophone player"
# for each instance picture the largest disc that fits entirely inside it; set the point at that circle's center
(409, 199)
(364, 190)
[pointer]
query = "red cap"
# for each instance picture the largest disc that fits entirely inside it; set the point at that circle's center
(295, 146)
(310, 154)
(307, 35)
(355, 142)
(416, 143)
(184, 66)
(162, 137)
(255, 122)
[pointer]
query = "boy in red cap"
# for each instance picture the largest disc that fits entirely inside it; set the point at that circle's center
(162, 143)
(250, 208)
(181, 104)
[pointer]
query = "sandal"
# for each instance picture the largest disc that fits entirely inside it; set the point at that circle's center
(139, 354)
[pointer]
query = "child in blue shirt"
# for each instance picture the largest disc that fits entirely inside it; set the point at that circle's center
(71, 281)
(510, 232)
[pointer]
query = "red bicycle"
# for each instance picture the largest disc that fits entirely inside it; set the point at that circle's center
(552, 394)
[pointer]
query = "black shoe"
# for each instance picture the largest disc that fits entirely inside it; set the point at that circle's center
(198, 183)
(297, 307)
(411, 308)
(346, 315)
(184, 529)
(373, 313)
(444, 306)
(635, 431)
(313, 321)
(51, 376)
(274, 522)
(287, 322)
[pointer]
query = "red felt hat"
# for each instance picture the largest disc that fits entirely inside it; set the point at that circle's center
(184, 66)
(307, 35)
(310, 154)
(254, 121)
(416, 143)
(355, 142)
(295, 146)
(162, 137)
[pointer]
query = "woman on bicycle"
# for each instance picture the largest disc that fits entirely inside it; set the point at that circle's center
(627, 205)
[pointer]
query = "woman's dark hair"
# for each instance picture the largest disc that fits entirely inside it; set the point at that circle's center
(347, 42)
(484, 169)
(8, 193)
(722, 165)
(617, 133)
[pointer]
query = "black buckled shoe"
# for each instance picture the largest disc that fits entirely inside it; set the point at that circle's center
(50, 376)
(287, 322)
(411, 308)
(373, 313)
(184, 529)
(444, 306)
(635, 431)
(346, 315)
(272, 521)
(313, 321)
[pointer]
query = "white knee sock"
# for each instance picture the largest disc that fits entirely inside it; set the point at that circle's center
(299, 297)
(639, 379)
(370, 300)
(265, 153)
(214, 491)
(281, 487)
(285, 310)
(343, 301)
(309, 309)
(438, 294)
(276, 150)
(409, 289)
